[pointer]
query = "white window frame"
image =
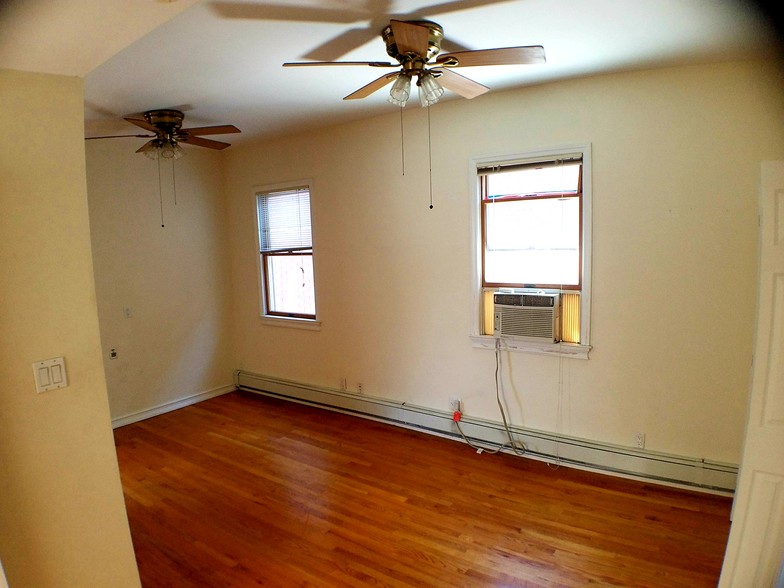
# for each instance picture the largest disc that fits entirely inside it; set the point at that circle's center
(574, 350)
(273, 320)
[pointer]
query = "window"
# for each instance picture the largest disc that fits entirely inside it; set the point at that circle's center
(286, 252)
(531, 222)
(534, 233)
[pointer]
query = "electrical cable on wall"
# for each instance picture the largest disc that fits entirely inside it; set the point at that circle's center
(478, 448)
(499, 388)
(518, 447)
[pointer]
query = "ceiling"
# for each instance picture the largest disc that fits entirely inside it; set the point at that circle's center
(220, 60)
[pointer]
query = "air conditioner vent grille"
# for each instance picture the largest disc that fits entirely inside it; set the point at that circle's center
(528, 322)
(530, 316)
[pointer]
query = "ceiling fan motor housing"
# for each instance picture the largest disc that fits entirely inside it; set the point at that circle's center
(410, 61)
(167, 121)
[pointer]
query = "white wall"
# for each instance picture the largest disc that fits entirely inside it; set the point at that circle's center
(675, 165)
(62, 516)
(173, 279)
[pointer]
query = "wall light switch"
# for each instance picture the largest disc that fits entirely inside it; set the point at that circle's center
(50, 374)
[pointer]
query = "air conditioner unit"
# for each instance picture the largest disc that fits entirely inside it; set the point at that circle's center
(528, 316)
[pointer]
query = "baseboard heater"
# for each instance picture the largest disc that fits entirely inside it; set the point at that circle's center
(571, 451)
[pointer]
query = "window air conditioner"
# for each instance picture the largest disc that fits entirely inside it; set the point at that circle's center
(534, 317)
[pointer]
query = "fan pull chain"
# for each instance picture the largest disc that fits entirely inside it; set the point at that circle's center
(402, 144)
(160, 189)
(430, 157)
(174, 183)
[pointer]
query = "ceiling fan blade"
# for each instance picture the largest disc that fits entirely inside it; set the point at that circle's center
(460, 84)
(216, 130)
(199, 142)
(118, 136)
(140, 122)
(146, 146)
(342, 44)
(504, 56)
(320, 63)
(368, 89)
(410, 37)
(287, 12)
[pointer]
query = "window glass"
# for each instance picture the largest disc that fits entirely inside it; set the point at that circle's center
(531, 215)
(286, 250)
(533, 242)
(291, 284)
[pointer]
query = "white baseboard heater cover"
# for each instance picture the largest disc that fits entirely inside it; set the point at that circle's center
(571, 451)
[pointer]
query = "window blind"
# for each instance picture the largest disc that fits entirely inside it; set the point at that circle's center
(284, 221)
(506, 166)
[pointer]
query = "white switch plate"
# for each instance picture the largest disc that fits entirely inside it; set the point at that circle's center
(50, 374)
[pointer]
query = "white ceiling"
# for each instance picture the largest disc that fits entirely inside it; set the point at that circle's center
(220, 60)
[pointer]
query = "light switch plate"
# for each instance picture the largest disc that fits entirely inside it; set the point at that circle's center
(50, 374)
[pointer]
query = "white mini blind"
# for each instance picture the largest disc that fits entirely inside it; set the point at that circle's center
(284, 220)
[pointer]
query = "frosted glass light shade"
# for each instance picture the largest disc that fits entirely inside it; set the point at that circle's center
(400, 91)
(429, 90)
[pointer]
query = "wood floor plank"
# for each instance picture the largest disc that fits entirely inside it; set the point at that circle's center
(244, 490)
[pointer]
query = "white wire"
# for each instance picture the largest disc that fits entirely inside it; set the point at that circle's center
(518, 447)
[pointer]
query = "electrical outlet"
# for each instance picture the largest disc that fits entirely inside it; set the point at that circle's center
(454, 404)
(639, 440)
(360, 387)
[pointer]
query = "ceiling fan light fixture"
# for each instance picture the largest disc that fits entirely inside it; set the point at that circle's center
(151, 149)
(401, 90)
(167, 149)
(171, 150)
(430, 91)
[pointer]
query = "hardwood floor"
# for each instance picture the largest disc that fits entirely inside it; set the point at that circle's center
(243, 490)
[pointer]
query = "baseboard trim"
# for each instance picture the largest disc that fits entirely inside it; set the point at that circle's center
(687, 472)
(171, 405)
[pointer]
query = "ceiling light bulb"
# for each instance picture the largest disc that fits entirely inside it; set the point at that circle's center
(429, 89)
(400, 91)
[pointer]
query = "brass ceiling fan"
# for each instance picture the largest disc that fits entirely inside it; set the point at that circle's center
(416, 45)
(168, 134)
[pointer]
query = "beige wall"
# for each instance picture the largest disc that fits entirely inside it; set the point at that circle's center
(173, 279)
(676, 156)
(62, 517)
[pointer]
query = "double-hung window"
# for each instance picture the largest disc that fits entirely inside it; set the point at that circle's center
(286, 252)
(534, 228)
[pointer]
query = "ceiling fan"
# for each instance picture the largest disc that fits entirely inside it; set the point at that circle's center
(166, 126)
(415, 45)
